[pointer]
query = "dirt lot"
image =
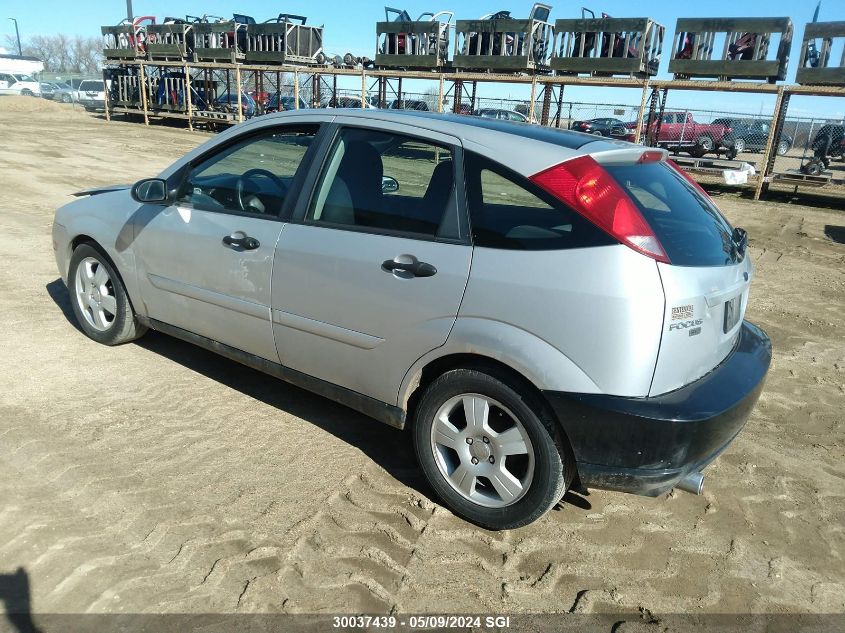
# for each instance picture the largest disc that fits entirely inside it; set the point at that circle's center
(157, 477)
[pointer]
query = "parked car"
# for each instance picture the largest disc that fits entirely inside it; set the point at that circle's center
(47, 89)
(409, 104)
(228, 102)
(750, 136)
(351, 102)
(20, 84)
(601, 127)
(281, 103)
(64, 95)
(630, 367)
(679, 130)
(92, 94)
(504, 115)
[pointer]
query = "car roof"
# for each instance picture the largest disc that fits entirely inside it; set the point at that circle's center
(475, 129)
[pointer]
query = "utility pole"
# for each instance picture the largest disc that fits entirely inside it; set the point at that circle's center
(18, 34)
(129, 14)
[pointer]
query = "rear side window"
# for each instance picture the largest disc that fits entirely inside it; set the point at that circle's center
(689, 226)
(92, 86)
(509, 212)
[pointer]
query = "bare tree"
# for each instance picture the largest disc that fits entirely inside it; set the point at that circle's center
(62, 53)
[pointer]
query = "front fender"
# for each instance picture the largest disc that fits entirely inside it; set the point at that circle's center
(106, 219)
(535, 359)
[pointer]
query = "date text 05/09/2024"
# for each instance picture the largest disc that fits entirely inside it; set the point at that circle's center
(388, 622)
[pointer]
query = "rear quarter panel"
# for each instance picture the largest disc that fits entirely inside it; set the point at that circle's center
(595, 314)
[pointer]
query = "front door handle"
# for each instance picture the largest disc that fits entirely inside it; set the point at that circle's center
(408, 266)
(241, 241)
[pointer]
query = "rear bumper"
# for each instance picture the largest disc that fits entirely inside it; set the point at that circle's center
(646, 445)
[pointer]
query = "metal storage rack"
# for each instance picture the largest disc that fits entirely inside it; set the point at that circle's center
(696, 41)
(285, 40)
(814, 67)
(608, 46)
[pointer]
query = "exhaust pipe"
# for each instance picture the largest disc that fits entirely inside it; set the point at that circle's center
(694, 483)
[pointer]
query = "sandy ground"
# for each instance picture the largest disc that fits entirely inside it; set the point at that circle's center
(157, 477)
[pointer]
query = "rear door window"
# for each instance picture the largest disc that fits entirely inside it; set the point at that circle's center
(509, 212)
(689, 226)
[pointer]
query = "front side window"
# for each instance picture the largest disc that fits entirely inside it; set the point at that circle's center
(382, 181)
(252, 176)
(509, 212)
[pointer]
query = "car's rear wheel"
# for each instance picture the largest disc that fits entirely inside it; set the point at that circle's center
(782, 147)
(99, 299)
(65, 98)
(705, 143)
(489, 451)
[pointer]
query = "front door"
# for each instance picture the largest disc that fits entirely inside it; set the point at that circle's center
(204, 264)
(371, 276)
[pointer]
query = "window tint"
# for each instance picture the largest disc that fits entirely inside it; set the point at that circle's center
(91, 85)
(387, 182)
(509, 212)
(691, 229)
(253, 175)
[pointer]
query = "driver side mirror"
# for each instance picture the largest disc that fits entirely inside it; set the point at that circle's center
(389, 185)
(150, 191)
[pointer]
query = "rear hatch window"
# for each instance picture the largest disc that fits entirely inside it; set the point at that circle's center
(690, 228)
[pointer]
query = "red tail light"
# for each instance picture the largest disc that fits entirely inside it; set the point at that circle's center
(587, 188)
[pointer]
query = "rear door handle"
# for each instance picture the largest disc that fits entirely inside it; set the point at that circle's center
(241, 241)
(409, 265)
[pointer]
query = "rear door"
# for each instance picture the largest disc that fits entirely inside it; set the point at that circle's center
(371, 276)
(706, 284)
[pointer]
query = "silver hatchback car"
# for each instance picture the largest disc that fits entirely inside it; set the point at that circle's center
(542, 309)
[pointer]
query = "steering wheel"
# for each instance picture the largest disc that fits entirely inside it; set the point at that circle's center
(251, 173)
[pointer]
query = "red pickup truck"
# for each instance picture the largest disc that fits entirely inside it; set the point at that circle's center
(679, 130)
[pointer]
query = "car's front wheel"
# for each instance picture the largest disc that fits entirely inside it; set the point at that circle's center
(99, 299)
(739, 145)
(489, 450)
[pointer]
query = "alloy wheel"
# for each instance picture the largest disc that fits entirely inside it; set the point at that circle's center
(95, 296)
(482, 450)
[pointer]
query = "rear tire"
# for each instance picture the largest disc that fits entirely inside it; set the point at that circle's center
(489, 450)
(704, 143)
(99, 300)
(782, 148)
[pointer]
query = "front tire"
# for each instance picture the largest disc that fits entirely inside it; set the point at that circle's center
(489, 450)
(739, 145)
(99, 300)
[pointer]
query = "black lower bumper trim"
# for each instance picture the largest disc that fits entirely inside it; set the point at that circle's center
(646, 445)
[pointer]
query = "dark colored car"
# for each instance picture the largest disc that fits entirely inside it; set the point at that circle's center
(601, 127)
(228, 102)
(409, 104)
(743, 135)
(283, 103)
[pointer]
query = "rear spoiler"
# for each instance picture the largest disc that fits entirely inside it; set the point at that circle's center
(94, 191)
(623, 153)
